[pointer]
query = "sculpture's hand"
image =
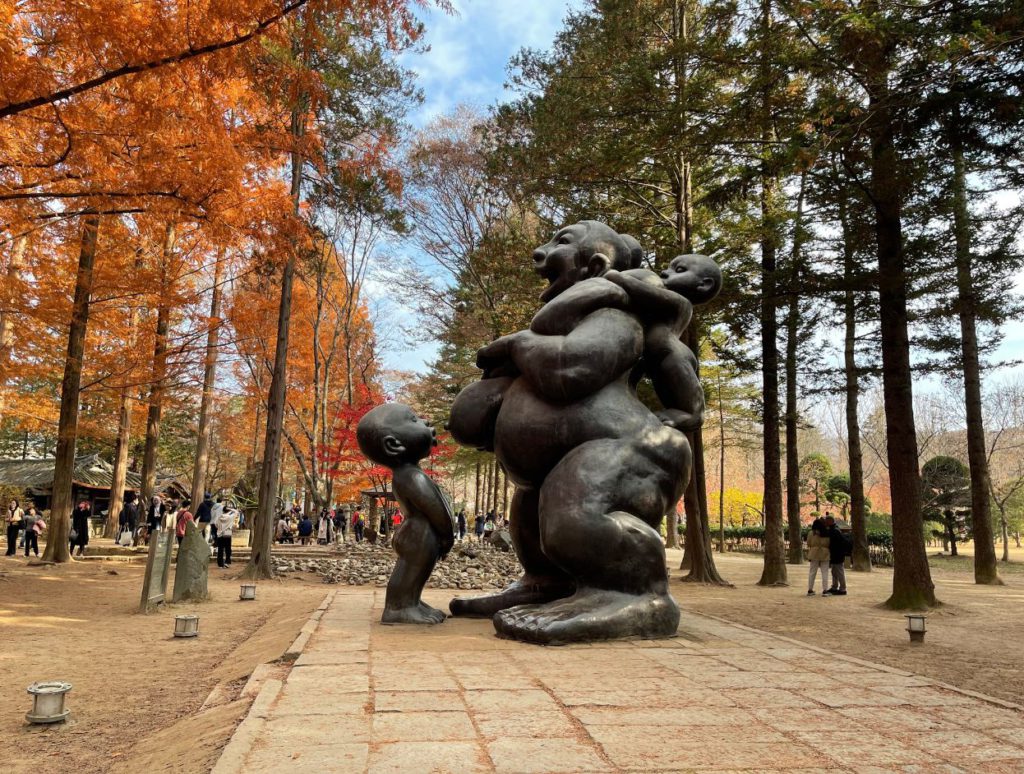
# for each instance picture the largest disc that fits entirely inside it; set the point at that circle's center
(496, 358)
(680, 420)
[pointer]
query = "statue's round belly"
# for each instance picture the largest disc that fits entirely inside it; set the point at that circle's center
(532, 434)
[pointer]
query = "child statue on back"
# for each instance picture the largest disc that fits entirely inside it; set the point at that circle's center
(392, 435)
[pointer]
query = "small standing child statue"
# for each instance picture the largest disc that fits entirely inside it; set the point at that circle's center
(392, 435)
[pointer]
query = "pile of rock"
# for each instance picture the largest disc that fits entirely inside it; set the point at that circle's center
(468, 566)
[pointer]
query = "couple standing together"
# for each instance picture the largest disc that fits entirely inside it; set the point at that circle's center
(827, 548)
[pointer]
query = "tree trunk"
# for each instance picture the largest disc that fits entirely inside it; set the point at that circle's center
(967, 307)
(912, 585)
(57, 549)
(124, 426)
(796, 547)
(858, 516)
(259, 566)
(7, 306)
(1006, 534)
(200, 468)
(699, 557)
(721, 469)
(476, 491)
(774, 572)
(159, 375)
(120, 473)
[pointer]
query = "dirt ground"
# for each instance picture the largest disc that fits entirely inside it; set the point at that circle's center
(972, 640)
(137, 691)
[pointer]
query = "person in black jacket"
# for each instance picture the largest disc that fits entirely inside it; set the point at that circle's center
(128, 518)
(204, 515)
(838, 548)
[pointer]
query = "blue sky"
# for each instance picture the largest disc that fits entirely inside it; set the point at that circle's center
(466, 64)
(469, 51)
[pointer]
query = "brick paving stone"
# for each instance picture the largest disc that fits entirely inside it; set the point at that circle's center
(652, 718)
(417, 701)
(859, 697)
(502, 701)
(316, 730)
(807, 718)
(422, 727)
(857, 748)
(767, 697)
(545, 756)
(298, 701)
(328, 759)
(366, 698)
(965, 745)
(654, 753)
(979, 716)
(405, 757)
(894, 719)
(511, 724)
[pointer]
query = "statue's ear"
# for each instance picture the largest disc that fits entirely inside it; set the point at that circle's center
(393, 446)
(598, 264)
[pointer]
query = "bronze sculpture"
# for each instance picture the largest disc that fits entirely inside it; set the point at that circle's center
(392, 435)
(595, 470)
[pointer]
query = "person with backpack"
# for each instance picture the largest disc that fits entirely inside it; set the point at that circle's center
(34, 524)
(838, 549)
(818, 555)
(358, 524)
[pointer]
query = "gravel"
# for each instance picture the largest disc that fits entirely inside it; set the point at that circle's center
(468, 566)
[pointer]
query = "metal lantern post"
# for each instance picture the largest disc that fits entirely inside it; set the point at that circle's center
(186, 626)
(48, 702)
(916, 627)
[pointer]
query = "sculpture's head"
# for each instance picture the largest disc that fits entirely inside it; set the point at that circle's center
(694, 277)
(585, 249)
(393, 435)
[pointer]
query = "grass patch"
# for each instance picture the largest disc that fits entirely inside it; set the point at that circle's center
(966, 564)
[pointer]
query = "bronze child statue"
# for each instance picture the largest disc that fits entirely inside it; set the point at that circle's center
(392, 435)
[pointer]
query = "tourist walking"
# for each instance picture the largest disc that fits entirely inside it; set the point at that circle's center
(184, 517)
(461, 523)
(839, 549)
(127, 519)
(28, 522)
(818, 555)
(224, 522)
(155, 517)
(32, 533)
(479, 526)
(358, 524)
(13, 517)
(204, 515)
(305, 530)
(340, 525)
(325, 532)
(79, 536)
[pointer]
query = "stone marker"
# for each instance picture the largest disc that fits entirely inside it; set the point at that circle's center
(501, 539)
(193, 567)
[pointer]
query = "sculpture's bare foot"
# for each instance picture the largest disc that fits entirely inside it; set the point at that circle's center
(416, 614)
(433, 612)
(589, 615)
(525, 591)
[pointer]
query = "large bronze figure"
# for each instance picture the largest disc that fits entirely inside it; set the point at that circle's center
(595, 470)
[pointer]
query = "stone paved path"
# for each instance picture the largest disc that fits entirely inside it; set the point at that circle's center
(363, 697)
